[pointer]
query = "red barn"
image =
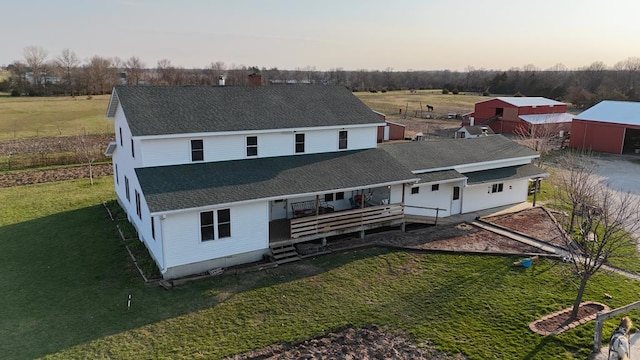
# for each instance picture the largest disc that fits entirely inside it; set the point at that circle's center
(535, 116)
(609, 126)
(391, 130)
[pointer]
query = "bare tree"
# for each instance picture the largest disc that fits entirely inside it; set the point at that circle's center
(543, 135)
(134, 68)
(101, 75)
(35, 57)
(67, 63)
(601, 222)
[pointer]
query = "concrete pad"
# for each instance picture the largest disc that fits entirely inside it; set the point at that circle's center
(634, 341)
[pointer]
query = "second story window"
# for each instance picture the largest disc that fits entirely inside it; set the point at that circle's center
(252, 146)
(133, 153)
(299, 143)
(126, 188)
(342, 140)
(121, 143)
(197, 150)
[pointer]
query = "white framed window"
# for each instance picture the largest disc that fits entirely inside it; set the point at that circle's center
(197, 150)
(138, 207)
(215, 225)
(497, 187)
(126, 188)
(299, 143)
(252, 146)
(415, 190)
(342, 140)
(435, 187)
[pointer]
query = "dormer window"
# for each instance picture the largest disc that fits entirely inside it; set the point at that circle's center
(197, 150)
(252, 146)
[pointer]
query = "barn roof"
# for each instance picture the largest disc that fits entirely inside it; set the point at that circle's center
(448, 153)
(160, 110)
(188, 186)
(609, 111)
(529, 101)
(553, 118)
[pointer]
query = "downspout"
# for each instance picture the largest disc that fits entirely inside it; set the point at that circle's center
(164, 260)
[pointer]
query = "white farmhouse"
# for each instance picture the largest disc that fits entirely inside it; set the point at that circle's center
(220, 176)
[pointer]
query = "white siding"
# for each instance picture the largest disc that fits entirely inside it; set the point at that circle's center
(174, 151)
(480, 197)
(440, 198)
(126, 163)
(249, 231)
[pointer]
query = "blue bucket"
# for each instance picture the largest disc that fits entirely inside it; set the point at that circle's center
(526, 262)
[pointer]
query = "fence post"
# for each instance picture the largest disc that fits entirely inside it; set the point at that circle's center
(597, 338)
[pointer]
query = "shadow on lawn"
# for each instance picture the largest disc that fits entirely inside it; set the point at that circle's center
(68, 276)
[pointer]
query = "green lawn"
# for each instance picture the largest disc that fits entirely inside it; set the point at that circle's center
(23, 117)
(66, 277)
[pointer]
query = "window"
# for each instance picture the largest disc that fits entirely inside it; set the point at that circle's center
(328, 197)
(126, 188)
(462, 134)
(224, 223)
(456, 193)
(117, 180)
(133, 153)
(197, 150)
(496, 188)
(153, 229)
(252, 146)
(206, 225)
(340, 196)
(415, 190)
(138, 209)
(121, 142)
(342, 139)
(435, 187)
(299, 143)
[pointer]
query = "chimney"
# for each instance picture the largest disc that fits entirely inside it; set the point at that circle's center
(255, 79)
(220, 80)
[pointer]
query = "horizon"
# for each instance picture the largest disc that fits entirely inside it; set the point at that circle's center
(494, 35)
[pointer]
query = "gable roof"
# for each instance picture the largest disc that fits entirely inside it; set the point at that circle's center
(448, 153)
(529, 101)
(190, 186)
(160, 110)
(609, 111)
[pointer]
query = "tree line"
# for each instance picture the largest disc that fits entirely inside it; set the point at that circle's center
(38, 74)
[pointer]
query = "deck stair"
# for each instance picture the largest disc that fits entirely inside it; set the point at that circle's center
(284, 253)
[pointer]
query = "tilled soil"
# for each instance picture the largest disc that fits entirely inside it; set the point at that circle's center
(536, 222)
(28, 177)
(370, 342)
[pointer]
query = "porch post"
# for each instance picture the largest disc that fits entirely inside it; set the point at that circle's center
(403, 227)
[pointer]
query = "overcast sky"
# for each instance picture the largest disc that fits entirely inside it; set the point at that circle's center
(351, 34)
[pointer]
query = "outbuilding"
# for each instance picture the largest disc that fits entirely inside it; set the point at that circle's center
(534, 116)
(609, 126)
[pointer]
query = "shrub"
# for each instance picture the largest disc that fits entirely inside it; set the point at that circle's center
(15, 93)
(373, 91)
(445, 91)
(486, 93)
(455, 91)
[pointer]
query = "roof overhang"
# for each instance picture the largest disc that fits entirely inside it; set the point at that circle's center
(113, 104)
(528, 171)
(111, 148)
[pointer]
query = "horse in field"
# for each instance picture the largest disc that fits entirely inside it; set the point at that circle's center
(429, 108)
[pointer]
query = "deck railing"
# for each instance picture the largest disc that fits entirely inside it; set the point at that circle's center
(350, 219)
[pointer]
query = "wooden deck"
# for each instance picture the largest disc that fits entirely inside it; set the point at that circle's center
(321, 226)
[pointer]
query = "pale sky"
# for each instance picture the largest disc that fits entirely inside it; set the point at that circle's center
(351, 34)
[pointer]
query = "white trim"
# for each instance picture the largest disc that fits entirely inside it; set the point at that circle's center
(443, 181)
(462, 166)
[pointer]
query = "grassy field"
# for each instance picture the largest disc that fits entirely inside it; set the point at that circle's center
(23, 117)
(391, 102)
(66, 278)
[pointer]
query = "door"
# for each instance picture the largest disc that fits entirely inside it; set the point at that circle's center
(279, 209)
(455, 201)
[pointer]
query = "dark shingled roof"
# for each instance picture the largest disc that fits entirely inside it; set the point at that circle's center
(507, 173)
(437, 154)
(194, 185)
(157, 110)
(437, 176)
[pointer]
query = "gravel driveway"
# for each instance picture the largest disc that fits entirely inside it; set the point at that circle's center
(621, 174)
